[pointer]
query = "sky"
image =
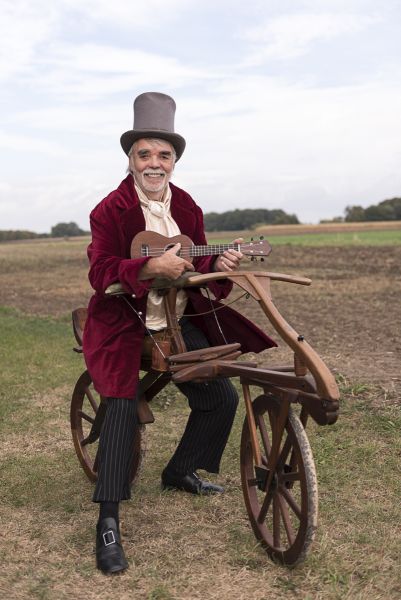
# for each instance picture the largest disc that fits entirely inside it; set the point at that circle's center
(291, 104)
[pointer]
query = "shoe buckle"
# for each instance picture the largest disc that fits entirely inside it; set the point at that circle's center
(108, 537)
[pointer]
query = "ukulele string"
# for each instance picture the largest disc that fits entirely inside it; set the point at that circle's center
(191, 251)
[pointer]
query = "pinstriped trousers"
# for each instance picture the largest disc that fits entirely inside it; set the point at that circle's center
(213, 405)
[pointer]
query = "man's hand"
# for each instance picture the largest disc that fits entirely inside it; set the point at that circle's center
(167, 265)
(230, 259)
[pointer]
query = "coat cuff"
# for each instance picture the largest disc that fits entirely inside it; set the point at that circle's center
(128, 273)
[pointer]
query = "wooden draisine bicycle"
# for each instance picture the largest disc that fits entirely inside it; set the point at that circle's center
(278, 475)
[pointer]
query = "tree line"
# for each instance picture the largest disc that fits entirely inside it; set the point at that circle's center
(64, 230)
(387, 210)
(248, 218)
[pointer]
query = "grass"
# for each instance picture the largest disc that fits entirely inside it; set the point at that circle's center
(181, 546)
(35, 353)
(344, 238)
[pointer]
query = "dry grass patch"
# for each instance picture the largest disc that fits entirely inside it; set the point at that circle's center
(178, 545)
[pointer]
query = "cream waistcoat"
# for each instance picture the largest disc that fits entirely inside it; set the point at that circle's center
(158, 218)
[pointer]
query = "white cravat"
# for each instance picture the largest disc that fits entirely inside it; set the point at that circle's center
(158, 218)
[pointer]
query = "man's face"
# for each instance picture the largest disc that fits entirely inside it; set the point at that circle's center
(152, 164)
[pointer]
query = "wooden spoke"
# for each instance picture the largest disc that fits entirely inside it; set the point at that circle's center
(86, 417)
(91, 399)
(85, 441)
(291, 502)
(284, 453)
(265, 507)
(286, 520)
(264, 435)
(276, 522)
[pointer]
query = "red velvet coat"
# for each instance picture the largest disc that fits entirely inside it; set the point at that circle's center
(113, 333)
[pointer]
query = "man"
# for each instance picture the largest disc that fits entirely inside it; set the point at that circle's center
(146, 200)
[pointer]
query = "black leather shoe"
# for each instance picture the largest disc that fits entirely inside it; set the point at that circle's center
(189, 483)
(110, 557)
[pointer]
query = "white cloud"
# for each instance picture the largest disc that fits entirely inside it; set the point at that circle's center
(51, 199)
(148, 15)
(29, 143)
(307, 150)
(290, 36)
(88, 71)
(31, 30)
(98, 58)
(24, 26)
(83, 73)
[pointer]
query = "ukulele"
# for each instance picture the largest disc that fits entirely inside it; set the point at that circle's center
(150, 243)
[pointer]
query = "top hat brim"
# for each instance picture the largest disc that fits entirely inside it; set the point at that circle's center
(130, 137)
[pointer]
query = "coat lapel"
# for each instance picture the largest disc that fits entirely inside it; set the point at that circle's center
(182, 213)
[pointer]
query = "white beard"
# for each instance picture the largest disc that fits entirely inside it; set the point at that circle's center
(147, 185)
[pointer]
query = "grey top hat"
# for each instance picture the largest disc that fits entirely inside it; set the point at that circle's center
(153, 118)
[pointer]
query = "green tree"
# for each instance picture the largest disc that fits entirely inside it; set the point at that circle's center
(18, 234)
(247, 218)
(392, 207)
(66, 230)
(387, 210)
(354, 213)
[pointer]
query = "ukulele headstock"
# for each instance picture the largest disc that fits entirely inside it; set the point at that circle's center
(256, 248)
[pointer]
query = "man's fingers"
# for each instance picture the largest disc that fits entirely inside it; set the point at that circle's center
(233, 255)
(188, 266)
(174, 249)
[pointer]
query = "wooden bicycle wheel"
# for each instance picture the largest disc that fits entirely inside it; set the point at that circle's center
(283, 517)
(85, 405)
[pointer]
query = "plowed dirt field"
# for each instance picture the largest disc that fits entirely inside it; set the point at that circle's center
(351, 314)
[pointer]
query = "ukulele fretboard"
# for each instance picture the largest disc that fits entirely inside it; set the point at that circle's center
(209, 250)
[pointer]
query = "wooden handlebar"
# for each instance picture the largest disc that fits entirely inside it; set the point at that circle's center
(191, 279)
(197, 279)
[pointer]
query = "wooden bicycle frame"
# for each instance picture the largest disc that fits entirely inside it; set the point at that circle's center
(308, 381)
